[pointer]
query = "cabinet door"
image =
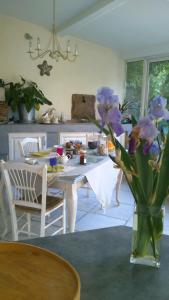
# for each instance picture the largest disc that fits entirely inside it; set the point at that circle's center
(13, 138)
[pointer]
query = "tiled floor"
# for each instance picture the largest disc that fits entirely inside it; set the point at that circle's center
(91, 216)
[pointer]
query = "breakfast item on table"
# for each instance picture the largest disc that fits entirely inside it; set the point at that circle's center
(110, 146)
(75, 146)
(57, 168)
(40, 153)
(102, 150)
(92, 144)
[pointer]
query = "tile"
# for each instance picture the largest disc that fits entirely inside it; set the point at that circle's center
(129, 222)
(80, 214)
(123, 212)
(95, 221)
(86, 203)
(124, 197)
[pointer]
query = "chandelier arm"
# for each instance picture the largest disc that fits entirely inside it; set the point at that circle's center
(39, 55)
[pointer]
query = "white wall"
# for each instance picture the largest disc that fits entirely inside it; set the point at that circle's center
(96, 66)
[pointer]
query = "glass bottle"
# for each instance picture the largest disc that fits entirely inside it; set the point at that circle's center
(83, 157)
(102, 148)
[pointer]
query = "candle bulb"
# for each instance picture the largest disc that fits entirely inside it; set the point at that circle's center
(76, 51)
(68, 47)
(38, 43)
(30, 46)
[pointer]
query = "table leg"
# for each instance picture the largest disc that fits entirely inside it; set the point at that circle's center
(118, 183)
(71, 202)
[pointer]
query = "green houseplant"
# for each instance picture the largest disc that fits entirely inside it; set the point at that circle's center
(25, 97)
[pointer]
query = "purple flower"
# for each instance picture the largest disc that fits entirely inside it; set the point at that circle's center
(108, 109)
(118, 128)
(154, 149)
(147, 130)
(114, 115)
(146, 148)
(105, 96)
(114, 118)
(157, 108)
(132, 145)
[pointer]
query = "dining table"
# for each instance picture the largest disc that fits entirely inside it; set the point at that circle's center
(99, 172)
(102, 259)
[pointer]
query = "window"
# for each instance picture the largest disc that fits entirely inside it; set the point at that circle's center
(134, 78)
(145, 79)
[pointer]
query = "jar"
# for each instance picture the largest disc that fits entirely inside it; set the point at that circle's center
(69, 153)
(102, 148)
(83, 158)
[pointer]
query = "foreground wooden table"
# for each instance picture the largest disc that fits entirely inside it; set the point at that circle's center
(101, 258)
(29, 272)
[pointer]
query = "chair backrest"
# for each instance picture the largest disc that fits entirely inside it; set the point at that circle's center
(25, 184)
(28, 145)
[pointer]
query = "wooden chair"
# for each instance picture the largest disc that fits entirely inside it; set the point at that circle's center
(2, 207)
(28, 145)
(26, 188)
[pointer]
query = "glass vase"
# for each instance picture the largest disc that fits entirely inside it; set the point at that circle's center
(147, 233)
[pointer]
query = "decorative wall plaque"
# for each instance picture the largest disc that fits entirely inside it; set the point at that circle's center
(44, 68)
(83, 107)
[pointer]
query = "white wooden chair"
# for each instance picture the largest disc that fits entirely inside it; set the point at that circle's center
(26, 188)
(28, 145)
(2, 207)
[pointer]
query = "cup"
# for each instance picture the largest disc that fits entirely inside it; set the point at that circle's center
(53, 161)
(64, 159)
(59, 150)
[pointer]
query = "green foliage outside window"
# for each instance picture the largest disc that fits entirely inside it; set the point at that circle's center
(159, 79)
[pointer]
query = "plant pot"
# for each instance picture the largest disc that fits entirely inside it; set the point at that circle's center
(147, 233)
(24, 116)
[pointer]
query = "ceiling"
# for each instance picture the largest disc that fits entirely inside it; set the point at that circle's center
(133, 28)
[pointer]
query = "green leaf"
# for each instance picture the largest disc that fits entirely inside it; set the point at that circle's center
(162, 181)
(144, 171)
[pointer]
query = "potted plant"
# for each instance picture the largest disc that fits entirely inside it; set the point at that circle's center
(25, 97)
(2, 89)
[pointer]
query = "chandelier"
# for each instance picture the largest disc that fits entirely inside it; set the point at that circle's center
(53, 49)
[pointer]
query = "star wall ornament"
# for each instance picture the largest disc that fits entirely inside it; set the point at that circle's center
(45, 68)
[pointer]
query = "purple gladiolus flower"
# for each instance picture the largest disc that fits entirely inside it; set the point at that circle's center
(158, 108)
(114, 118)
(105, 96)
(146, 148)
(114, 115)
(118, 128)
(154, 149)
(132, 145)
(148, 130)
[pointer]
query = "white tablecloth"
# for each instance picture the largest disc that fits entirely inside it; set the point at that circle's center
(102, 180)
(100, 174)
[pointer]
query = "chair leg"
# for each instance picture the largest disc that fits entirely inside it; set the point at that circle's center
(64, 217)
(4, 215)
(42, 225)
(29, 223)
